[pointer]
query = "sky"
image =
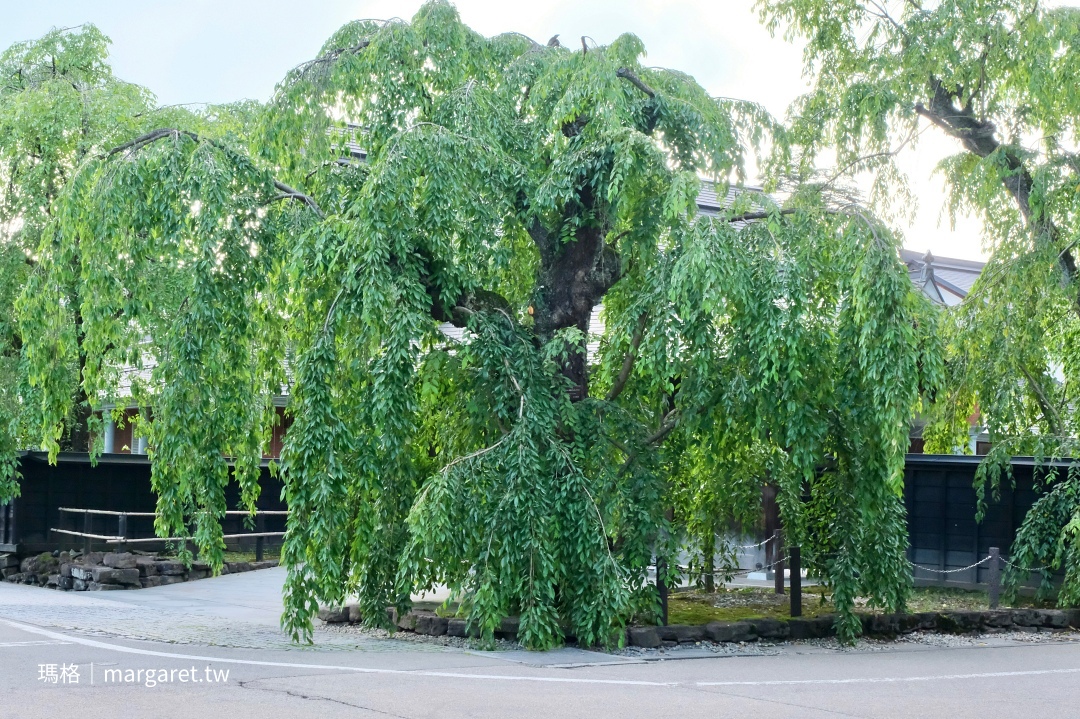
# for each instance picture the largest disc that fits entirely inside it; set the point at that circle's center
(203, 51)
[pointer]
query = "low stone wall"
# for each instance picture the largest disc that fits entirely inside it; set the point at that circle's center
(751, 630)
(99, 571)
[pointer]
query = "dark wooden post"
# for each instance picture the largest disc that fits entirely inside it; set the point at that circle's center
(122, 531)
(709, 561)
(778, 566)
(3, 523)
(86, 531)
(993, 576)
(661, 572)
(796, 582)
(260, 526)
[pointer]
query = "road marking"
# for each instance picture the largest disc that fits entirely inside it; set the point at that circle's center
(295, 665)
(65, 639)
(30, 644)
(888, 680)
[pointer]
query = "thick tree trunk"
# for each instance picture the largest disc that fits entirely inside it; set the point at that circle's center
(574, 276)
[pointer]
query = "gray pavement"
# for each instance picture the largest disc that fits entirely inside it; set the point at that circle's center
(196, 632)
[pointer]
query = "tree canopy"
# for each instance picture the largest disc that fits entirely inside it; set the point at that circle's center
(507, 188)
(999, 77)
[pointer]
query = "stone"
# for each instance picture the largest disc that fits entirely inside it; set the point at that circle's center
(154, 581)
(52, 580)
(197, 574)
(334, 615)
(816, 628)
(406, 621)
(147, 566)
(769, 628)
(43, 563)
(8, 571)
(80, 585)
(239, 566)
(119, 560)
(645, 637)
(1053, 618)
(93, 558)
(997, 618)
(98, 587)
(730, 632)
(79, 571)
(681, 633)
(266, 564)
(508, 628)
(170, 568)
(457, 628)
(109, 575)
(15, 578)
(432, 624)
(65, 570)
(1074, 617)
(354, 614)
(959, 622)
(8, 560)
(171, 579)
(65, 583)
(200, 566)
(1026, 617)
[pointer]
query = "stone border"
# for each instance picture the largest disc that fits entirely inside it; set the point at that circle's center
(751, 630)
(103, 571)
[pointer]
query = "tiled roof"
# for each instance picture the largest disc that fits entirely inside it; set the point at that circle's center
(945, 280)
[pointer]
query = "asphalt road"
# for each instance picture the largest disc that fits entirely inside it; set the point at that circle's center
(388, 678)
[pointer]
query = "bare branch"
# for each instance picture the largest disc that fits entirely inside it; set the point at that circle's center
(628, 362)
(626, 74)
(292, 194)
(746, 217)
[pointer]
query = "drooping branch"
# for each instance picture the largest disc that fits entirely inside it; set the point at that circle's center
(978, 137)
(140, 142)
(628, 362)
(748, 216)
(329, 57)
(288, 193)
(1050, 413)
(626, 74)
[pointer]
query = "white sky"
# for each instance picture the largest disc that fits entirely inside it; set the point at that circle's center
(225, 50)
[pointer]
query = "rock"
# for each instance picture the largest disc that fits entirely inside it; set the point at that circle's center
(8, 560)
(119, 560)
(44, 563)
(730, 632)
(200, 566)
(959, 622)
(1074, 617)
(171, 579)
(266, 564)
(147, 566)
(646, 637)
(52, 580)
(98, 587)
(109, 575)
(816, 628)
(79, 571)
(334, 615)
(80, 585)
(431, 624)
(195, 574)
(681, 633)
(354, 614)
(150, 581)
(8, 571)
(15, 578)
(1026, 617)
(997, 618)
(239, 566)
(406, 621)
(93, 558)
(457, 628)
(65, 570)
(65, 583)
(508, 628)
(769, 628)
(170, 568)
(1053, 618)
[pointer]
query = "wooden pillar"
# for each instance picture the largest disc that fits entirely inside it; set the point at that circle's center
(796, 581)
(110, 434)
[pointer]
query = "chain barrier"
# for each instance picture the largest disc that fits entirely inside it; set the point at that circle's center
(762, 543)
(984, 560)
(1026, 569)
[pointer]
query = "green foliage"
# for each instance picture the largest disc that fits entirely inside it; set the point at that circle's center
(1000, 77)
(507, 188)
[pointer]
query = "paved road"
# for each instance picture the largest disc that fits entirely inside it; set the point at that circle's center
(197, 632)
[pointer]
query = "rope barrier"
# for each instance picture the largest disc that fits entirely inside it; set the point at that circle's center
(984, 560)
